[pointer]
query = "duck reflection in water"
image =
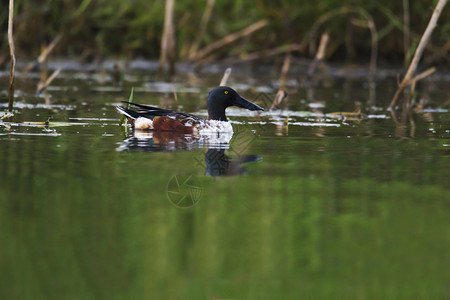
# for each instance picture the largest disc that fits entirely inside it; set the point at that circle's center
(220, 164)
(158, 129)
(217, 162)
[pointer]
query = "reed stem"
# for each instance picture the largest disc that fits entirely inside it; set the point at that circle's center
(225, 77)
(12, 52)
(168, 41)
(406, 31)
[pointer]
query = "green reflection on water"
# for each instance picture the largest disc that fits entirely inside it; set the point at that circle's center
(333, 217)
(342, 212)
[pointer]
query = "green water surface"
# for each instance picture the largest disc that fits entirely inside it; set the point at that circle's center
(356, 210)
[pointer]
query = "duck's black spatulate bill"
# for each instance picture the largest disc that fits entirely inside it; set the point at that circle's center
(243, 103)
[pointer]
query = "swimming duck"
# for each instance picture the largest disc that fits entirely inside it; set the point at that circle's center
(146, 117)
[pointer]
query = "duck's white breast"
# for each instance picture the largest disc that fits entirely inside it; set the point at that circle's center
(212, 126)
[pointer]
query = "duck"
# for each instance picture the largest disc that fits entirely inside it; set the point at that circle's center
(147, 117)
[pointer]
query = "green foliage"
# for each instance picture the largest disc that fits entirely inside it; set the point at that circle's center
(130, 28)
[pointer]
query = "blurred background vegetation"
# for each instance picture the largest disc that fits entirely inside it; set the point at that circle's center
(117, 28)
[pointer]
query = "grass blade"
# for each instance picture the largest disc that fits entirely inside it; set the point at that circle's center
(123, 120)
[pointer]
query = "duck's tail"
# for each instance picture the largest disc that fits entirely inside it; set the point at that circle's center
(130, 114)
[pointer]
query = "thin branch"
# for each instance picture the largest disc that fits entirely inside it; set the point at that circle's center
(419, 51)
(279, 98)
(424, 74)
(265, 53)
(374, 44)
(282, 94)
(231, 38)
(285, 68)
(43, 85)
(45, 52)
(320, 53)
(311, 36)
(205, 20)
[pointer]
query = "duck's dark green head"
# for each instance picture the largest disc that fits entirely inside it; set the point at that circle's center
(222, 97)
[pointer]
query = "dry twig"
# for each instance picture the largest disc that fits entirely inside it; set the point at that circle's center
(230, 39)
(43, 85)
(311, 37)
(419, 51)
(282, 94)
(285, 68)
(201, 33)
(45, 52)
(279, 98)
(265, 53)
(320, 54)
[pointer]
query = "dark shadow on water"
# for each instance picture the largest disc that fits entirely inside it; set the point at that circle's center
(218, 163)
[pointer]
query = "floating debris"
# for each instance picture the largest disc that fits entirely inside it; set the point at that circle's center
(21, 105)
(94, 119)
(31, 134)
(6, 115)
(46, 124)
(311, 124)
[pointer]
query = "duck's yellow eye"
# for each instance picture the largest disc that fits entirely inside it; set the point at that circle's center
(226, 92)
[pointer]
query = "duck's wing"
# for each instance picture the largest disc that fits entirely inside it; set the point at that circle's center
(153, 111)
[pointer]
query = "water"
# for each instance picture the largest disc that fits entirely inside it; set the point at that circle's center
(331, 206)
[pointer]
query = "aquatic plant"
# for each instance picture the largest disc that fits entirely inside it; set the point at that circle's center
(96, 28)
